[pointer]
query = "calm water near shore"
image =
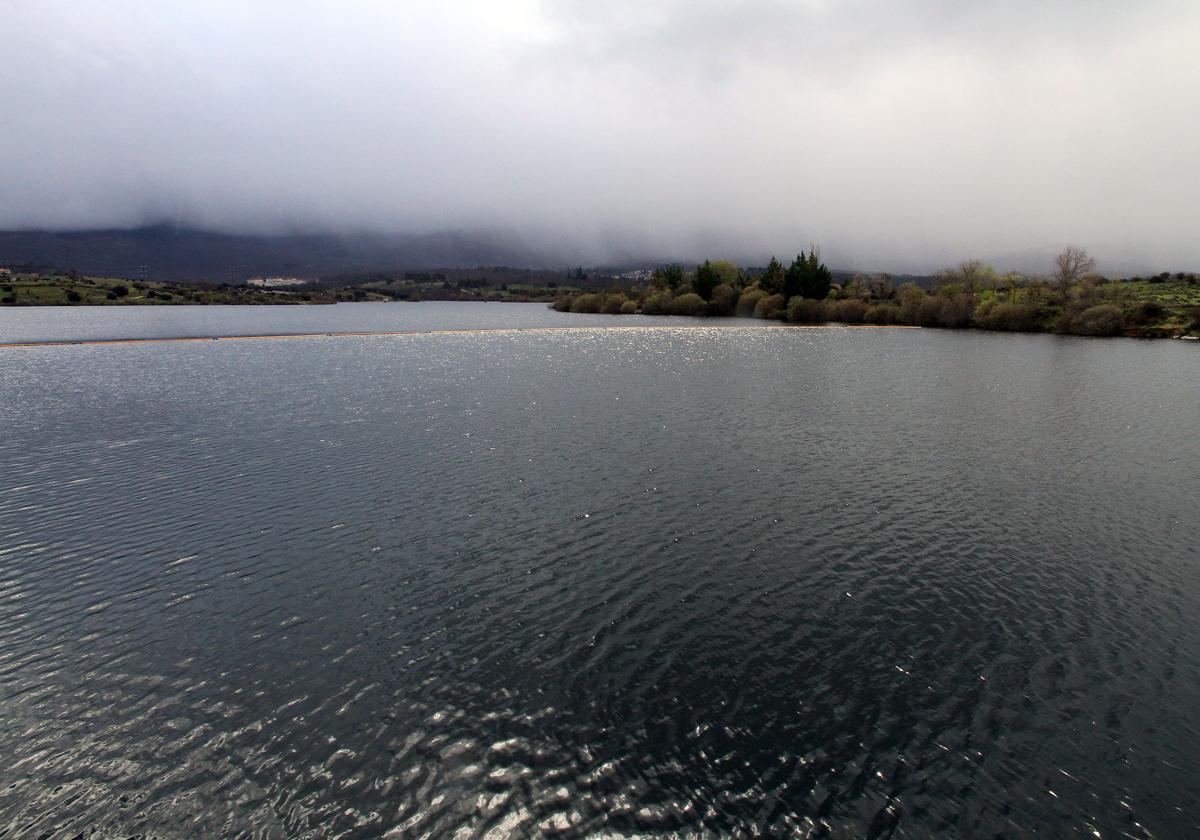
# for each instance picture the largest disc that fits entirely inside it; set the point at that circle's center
(93, 323)
(697, 582)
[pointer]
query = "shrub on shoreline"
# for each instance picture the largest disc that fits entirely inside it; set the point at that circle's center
(1104, 319)
(588, 304)
(1148, 311)
(723, 301)
(613, 304)
(1013, 317)
(771, 306)
(882, 313)
(689, 304)
(970, 295)
(657, 303)
(802, 310)
(749, 300)
(923, 310)
(851, 311)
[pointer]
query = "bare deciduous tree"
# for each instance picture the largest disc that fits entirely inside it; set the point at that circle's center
(969, 277)
(1012, 282)
(881, 286)
(973, 274)
(1035, 287)
(1071, 266)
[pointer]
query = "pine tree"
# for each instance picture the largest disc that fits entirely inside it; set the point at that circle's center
(705, 280)
(808, 277)
(772, 279)
(820, 278)
(795, 277)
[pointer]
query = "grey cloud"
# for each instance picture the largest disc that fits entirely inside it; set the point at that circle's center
(893, 134)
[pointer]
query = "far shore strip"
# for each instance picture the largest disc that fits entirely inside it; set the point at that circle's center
(470, 331)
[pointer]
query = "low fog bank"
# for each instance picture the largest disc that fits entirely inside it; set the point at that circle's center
(179, 253)
(896, 138)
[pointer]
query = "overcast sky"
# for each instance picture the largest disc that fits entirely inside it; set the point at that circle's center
(888, 132)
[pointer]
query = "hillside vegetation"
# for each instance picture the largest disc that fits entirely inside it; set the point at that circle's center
(71, 289)
(1071, 299)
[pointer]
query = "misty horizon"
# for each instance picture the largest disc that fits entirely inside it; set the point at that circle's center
(171, 251)
(893, 140)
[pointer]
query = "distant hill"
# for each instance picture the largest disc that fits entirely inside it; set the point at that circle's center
(164, 253)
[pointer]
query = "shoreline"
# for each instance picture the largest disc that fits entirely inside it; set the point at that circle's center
(83, 342)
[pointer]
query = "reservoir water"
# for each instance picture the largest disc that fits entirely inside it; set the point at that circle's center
(699, 582)
(104, 323)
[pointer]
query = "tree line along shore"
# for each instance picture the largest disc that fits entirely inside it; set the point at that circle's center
(71, 288)
(1071, 299)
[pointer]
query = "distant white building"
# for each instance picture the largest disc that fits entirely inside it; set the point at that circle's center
(636, 276)
(271, 282)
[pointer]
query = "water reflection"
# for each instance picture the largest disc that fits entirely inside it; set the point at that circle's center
(701, 582)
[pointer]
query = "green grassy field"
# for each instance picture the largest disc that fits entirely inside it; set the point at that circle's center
(1168, 292)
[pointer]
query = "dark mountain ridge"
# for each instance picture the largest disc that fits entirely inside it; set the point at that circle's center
(166, 253)
(182, 254)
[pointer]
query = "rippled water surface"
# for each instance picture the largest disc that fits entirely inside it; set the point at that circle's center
(702, 582)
